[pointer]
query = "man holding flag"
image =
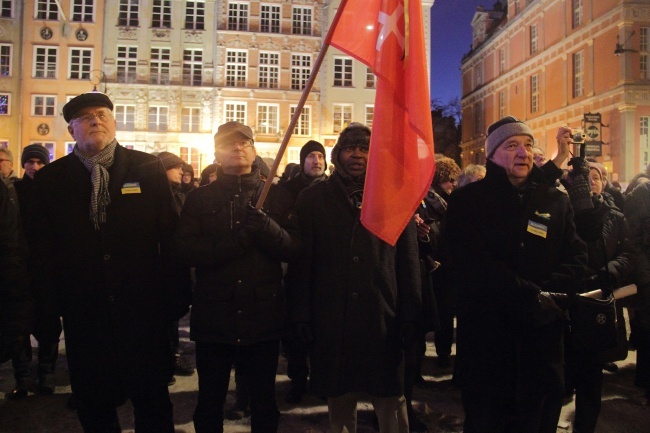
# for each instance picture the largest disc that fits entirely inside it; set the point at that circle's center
(357, 298)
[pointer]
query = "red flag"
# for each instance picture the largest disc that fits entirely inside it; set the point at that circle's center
(388, 36)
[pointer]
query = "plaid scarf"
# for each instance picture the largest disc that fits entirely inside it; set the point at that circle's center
(98, 166)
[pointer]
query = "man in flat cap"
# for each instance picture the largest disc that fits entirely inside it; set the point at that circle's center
(238, 310)
(515, 257)
(100, 225)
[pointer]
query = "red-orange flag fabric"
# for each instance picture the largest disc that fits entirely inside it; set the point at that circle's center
(388, 36)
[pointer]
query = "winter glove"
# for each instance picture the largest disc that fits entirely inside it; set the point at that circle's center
(578, 187)
(302, 334)
(408, 334)
(256, 220)
(580, 167)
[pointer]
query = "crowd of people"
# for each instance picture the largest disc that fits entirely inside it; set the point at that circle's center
(121, 245)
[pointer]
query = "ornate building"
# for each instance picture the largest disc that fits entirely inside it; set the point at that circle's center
(176, 70)
(582, 63)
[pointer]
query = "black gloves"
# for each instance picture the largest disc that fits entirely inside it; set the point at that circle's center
(302, 334)
(256, 220)
(578, 188)
(547, 310)
(562, 300)
(408, 334)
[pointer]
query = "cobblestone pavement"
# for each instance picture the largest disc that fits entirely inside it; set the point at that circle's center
(438, 402)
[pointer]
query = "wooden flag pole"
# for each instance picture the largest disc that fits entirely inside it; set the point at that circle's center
(296, 115)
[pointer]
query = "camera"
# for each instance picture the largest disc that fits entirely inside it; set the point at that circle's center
(578, 136)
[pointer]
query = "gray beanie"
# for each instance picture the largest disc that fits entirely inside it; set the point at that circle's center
(503, 129)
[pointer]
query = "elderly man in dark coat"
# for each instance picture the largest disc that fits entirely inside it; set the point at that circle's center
(515, 255)
(102, 219)
(356, 295)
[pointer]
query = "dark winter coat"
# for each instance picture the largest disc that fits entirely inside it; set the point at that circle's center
(506, 246)
(239, 296)
(15, 299)
(355, 291)
(637, 212)
(23, 190)
(296, 184)
(116, 287)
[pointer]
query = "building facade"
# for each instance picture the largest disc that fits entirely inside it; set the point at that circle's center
(176, 70)
(553, 63)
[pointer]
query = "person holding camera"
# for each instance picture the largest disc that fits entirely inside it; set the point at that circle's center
(515, 256)
(603, 227)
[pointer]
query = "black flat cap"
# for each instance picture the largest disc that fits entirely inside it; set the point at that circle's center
(85, 100)
(229, 130)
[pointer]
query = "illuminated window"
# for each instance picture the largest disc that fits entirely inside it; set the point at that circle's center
(269, 70)
(45, 59)
(300, 70)
(303, 126)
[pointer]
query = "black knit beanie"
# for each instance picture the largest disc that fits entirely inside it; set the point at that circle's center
(309, 147)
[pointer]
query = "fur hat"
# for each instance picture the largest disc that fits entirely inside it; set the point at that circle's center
(232, 129)
(355, 134)
(35, 151)
(599, 168)
(503, 129)
(309, 147)
(446, 170)
(85, 100)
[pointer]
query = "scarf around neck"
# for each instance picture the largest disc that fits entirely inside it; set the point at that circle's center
(98, 166)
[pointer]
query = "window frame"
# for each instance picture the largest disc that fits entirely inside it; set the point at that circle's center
(578, 59)
(235, 69)
(268, 70)
(8, 57)
(46, 70)
(158, 64)
(188, 122)
(343, 71)
(125, 120)
(344, 112)
(7, 104)
(49, 7)
(300, 73)
(128, 13)
(303, 125)
(6, 9)
(302, 20)
(160, 120)
(49, 103)
(534, 93)
(271, 117)
(83, 74)
(83, 5)
(126, 66)
(233, 109)
(272, 22)
(164, 21)
(238, 17)
(196, 20)
(194, 66)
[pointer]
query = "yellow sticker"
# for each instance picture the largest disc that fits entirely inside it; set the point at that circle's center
(537, 229)
(131, 188)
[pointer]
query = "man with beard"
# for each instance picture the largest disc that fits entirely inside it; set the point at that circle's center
(312, 168)
(358, 299)
(101, 223)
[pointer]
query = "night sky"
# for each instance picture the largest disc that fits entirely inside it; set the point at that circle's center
(451, 37)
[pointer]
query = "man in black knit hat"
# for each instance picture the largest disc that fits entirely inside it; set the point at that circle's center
(357, 299)
(312, 168)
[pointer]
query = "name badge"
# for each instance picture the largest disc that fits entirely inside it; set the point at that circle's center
(131, 188)
(537, 229)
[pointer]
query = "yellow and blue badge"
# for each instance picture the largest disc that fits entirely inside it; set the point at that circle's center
(131, 188)
(537, 229)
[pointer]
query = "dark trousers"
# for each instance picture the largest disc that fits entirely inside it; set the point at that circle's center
(297, 365)
(584, 373)
(152, 412)
(47, 334)
(259, 363)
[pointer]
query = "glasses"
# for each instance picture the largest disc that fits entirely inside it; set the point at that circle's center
(102, 117)
(244, 144)
(3, 160)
